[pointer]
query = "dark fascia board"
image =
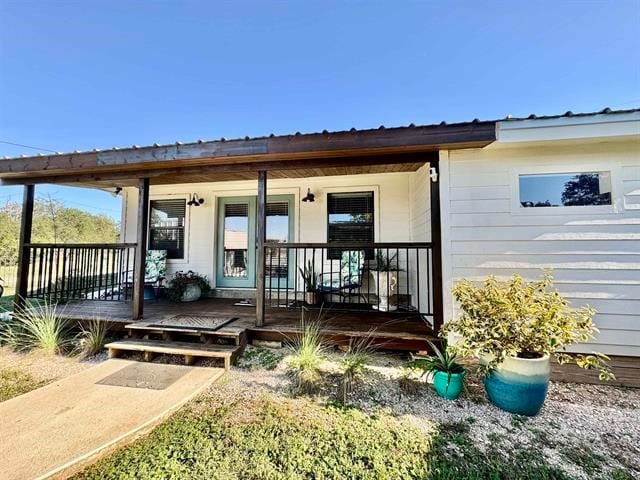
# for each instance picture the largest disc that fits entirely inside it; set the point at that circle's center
(254, 151)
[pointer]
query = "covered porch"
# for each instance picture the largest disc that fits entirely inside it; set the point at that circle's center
(401, 300)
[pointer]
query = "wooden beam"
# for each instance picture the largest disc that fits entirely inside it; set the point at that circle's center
(173, 174)
(141, 249)
(436, 241)
(26, 224)
(261, 237)
(259, 150)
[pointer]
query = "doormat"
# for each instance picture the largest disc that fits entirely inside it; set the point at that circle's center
(194, 322)
(152, 376)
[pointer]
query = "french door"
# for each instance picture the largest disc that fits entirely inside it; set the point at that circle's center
(236, 241)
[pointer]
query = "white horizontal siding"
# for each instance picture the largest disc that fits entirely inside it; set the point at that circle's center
(594, 254)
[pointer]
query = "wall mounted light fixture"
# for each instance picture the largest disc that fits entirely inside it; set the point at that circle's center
(310, 196)
(195, 201)
(116, 191)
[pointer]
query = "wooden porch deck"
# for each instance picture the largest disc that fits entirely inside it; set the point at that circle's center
(389, 331)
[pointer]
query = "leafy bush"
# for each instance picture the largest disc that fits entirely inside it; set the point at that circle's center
(93, 336)
(521, 319)
(259, 357)
(179, 283)
(38, 325)
(308, 355)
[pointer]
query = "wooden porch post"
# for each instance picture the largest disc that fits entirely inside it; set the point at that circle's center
(26, 223)
(436, 241)
(261, 236)
(141, 249)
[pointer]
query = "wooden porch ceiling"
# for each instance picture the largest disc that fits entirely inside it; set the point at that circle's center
(326, 153)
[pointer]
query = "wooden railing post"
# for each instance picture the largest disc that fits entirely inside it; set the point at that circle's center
(141, 249)
(261, 236)
(26, 222)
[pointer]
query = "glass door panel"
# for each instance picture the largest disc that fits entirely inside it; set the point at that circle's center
(280, 230)
(236, 242)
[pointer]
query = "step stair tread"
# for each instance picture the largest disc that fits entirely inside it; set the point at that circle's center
(176, 348)
(224, 331)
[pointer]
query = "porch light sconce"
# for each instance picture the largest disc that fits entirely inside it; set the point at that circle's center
(433, 174)
(310, 196)
(195, 201)
(116, 191)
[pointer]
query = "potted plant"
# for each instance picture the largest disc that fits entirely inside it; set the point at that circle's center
(187, 287)
(514, 327)
(447, 373)
(310, 279)
(385, 278)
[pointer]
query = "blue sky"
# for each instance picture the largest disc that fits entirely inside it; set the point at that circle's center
(83, 75)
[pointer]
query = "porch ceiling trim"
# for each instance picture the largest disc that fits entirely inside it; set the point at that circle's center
(276, 152)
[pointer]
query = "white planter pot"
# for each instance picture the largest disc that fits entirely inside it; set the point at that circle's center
(192, 292)
(386, 284)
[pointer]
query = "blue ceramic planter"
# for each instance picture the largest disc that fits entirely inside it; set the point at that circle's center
(448, 387)
(519, 385)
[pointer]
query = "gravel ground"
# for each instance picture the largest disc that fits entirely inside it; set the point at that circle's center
(579, 425)
(44, 367)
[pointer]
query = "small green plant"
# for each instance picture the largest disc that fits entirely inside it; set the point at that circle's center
(516, 318)
(92, 337)
(179, 282)
(445, 360)
(259, 357)
(309, 276)
(354, 363)
(385, 263)
(39, 326)
(308, 355)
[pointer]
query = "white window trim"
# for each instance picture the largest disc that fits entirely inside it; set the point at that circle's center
(187, 225)
(616, 188)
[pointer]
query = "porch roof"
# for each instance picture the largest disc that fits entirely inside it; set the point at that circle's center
(297, 155)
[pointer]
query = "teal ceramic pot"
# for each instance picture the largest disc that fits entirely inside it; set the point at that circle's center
(446, 387)
(519, 385)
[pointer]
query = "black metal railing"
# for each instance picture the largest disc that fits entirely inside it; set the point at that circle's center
(61, 272)
(349, 276)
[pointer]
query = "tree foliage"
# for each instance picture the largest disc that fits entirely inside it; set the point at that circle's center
(53, 222)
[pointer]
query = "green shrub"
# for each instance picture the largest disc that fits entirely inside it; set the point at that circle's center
(39, 326)
(14, 382)
(519, 318)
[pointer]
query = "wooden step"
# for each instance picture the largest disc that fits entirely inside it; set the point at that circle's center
(236, 334)
(189, 350)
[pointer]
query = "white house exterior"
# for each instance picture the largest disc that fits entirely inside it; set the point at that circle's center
(452, 201)
(593, 251)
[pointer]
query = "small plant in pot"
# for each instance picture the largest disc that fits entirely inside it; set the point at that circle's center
(187, 287)
(448, 374)
(310, 279)
(514, 327)
(384, 272)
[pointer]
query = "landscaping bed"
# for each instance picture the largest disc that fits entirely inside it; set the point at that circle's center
(253, 425)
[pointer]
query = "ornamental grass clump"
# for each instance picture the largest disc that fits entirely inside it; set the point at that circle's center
(309, 353)
(516, 318)
(92, 338)
(38, 326)
(353, 364)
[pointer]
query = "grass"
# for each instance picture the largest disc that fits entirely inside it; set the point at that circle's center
(267, 437)
(40, 326)
(14, 382)
(308, 355)
(260, 357)
(93, 336)
(6, 302)
(354, 363)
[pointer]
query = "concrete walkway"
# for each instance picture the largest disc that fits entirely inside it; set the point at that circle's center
(54, 430)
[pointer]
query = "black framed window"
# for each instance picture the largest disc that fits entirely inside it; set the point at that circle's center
(350, 219)
(166, 226)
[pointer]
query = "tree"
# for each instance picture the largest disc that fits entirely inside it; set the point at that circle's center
(584, 189)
